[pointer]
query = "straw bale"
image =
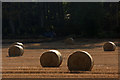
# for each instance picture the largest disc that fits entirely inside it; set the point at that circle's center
(109, 46)
(15, 50)
(80, 61)
(51, 58)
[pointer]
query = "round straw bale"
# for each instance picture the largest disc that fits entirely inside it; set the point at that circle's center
(80, 61)
(15, 50)
(109, 46)
(18, 43)
(51, 58)
(69, 41)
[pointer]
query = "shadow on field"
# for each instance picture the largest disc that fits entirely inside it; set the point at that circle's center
(59, 44)
(78, 44)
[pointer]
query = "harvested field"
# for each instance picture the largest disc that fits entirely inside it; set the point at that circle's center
(27, 67)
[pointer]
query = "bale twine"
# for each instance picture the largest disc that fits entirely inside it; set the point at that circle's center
(15, 50)
(80, 61)
(51, 58)
(18, 43)
(109, 46)
(69, 41)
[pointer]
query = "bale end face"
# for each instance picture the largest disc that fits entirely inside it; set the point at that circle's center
(15, 50)
(51, 58)
(109, 46)
(80, 61)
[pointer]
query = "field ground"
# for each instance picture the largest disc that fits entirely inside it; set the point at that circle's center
(27, 67)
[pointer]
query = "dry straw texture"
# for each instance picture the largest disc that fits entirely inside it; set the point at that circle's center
(80, 61)
(69, 41)
(109, 46)
(51, 58)
(15, 50)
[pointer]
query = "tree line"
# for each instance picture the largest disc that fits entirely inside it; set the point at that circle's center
(81, 19)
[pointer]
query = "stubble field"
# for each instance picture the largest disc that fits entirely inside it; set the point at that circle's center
(27, 67)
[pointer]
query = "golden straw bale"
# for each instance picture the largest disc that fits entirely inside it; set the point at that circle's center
(80, 61)
(69, 41)
(15, 50)
(109, 46)
(51, 58)
(18, 43)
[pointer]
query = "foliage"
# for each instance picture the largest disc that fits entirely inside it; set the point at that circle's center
(89, 19)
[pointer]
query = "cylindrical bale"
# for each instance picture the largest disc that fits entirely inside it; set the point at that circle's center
(15, 50)
(51, 58)
(69, 41)
(109, 46)
(18, 43)
(80, 61)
